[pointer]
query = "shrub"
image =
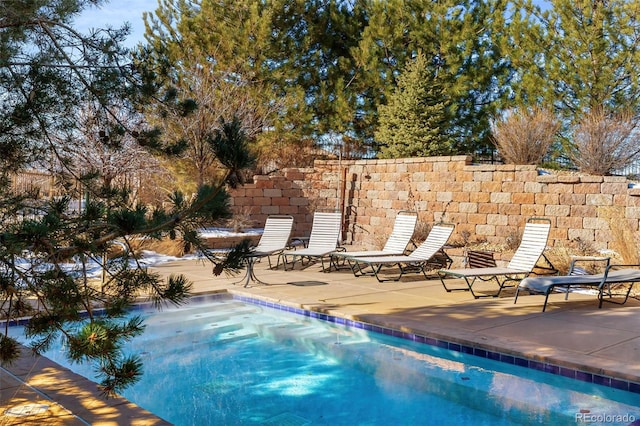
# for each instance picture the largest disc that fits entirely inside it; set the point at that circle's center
(524, 137)
(605, 142)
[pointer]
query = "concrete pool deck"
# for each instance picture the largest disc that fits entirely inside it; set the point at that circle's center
(573, 334)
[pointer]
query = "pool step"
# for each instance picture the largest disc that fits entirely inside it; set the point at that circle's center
(310, 337)
(212, 333)
(195, 341)
(199, 315)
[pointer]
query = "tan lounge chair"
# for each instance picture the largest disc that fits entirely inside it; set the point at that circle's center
(325, 234)
(273, 241)
(400, 237)
(531, 248)
(614, 276)
(423, 257)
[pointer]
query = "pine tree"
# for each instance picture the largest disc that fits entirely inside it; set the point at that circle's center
(576, 56)
(49, 74)
(412, 123)
(463, 40)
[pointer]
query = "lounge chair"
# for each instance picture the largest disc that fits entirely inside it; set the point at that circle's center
(524, 260)
(273, 241)
(613, 276)
(403, 228)
(325, 233)
(428, 254)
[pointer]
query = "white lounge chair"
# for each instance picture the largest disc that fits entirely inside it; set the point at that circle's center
(325, 234)
(273, 241)
(531, 248)
(403, 228)
(428, 254)
(603, 283)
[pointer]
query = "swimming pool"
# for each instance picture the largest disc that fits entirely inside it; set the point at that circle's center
(227, 362)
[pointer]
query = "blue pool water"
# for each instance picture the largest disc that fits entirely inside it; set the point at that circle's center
(232, 363)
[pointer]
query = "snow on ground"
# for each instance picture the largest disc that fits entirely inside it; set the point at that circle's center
(223, 232)
(148, 258)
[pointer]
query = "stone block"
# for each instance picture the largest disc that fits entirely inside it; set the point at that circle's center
(267, 210)
(487, 208)
(591, 179)
(572, 199)
(477, 219)
(620, 199)
(464, 176)
(461, 197)
(491, 186)
(504, 176)
(479, 197)
(522, 198)
(444, 197)
(272, 192)
(547, 179)
(477, 186)
(569, 222)
(560, 188)
(632, 212)
(594, 223)
(584, 211)
(568, 179)
(299, 201)
(497, 219)
(486, 230)
(500, 197)
(599, 199)
(526, 175)
(586, 188)
(557, 210)
(261, 201)
(615, 187)
(581, 234)
(544, 198)
(513, 187)
(468, 207)
(534, 187)
(423, 186)
(509, 209)
(482, 176)
(529, 210)
(558, 234)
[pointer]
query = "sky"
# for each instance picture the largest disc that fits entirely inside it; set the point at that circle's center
(115, 13)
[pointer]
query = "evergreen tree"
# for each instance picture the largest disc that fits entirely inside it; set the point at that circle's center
(576, 56)
(217, 53)
(48, 75)
(412, 123)
(461, 39)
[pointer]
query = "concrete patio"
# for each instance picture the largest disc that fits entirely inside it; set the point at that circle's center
(574, 334)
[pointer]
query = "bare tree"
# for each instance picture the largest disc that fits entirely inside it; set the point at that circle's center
(524, 137)
(101, 147)
(217, 97)
(605, 142)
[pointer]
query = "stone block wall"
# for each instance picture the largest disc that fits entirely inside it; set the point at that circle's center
(486, 202)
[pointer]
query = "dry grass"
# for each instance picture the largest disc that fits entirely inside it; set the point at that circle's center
(625, 241)
(165, 246)
(421, 232)
(241, 220)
